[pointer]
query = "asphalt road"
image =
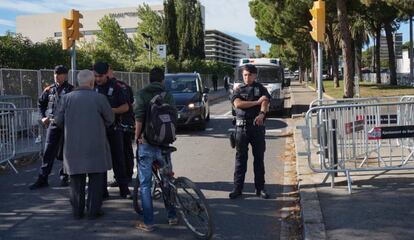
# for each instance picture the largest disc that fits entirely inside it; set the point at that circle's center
(204, 157)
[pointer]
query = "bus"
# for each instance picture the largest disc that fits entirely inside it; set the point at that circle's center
(270, 73)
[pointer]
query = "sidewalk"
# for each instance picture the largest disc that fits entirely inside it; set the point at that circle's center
(378, 208)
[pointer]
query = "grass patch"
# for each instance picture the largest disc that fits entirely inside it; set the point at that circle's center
(367, 89)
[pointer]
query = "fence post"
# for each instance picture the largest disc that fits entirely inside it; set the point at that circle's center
(39, 83)
(1, 82)
(21, 82)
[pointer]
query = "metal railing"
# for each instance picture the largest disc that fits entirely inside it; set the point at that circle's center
(361, 136)
(7, 136)
(21, 133)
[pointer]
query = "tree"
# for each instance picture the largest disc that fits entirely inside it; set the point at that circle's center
(184, 28)
(198, 37)
(170, 22)
(346, 48)
(284, 23)
(114, 43)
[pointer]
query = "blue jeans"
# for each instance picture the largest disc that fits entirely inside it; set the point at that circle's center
(147, 155)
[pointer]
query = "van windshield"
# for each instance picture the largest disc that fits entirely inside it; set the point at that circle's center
(265, 74)
(181, 84)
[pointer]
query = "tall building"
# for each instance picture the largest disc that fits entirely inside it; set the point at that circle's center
(397, 39)
(224, 48)
(42, 26)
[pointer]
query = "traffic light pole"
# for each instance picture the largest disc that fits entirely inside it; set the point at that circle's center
(320, 90)
(73, 63)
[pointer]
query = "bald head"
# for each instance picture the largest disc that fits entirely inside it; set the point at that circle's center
(86, 78)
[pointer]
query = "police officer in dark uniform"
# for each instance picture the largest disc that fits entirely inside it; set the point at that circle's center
(251, 101)
(118, 100)
(47, 104)
(127, 126)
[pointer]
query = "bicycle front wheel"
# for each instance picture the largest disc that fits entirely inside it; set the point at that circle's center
(193, 208)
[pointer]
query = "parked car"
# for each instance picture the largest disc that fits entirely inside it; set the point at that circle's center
(191, 99)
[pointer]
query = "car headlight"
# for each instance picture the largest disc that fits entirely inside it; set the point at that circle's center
(275, 93)
(195, 105)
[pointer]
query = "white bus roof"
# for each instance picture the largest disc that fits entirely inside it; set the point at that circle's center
(260, 61)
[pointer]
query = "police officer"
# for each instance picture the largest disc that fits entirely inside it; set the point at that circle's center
(118, 100)
(127, 126)
(251, 101)
(47, 104)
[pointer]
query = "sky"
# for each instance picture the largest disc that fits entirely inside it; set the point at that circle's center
(229, 16)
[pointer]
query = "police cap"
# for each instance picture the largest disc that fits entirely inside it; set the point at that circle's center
(60, 69)
(101, 67)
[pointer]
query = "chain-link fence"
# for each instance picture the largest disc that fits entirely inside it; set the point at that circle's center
(30, 83)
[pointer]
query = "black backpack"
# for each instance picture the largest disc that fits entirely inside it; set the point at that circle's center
(160, 121)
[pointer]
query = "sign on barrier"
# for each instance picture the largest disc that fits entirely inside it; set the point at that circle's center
(391, 132)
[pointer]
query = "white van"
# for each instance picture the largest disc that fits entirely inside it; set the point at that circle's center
(270, 73)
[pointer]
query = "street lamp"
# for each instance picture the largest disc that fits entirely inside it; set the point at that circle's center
(148, 46)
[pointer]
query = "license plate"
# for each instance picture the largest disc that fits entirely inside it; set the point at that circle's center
(179, 116)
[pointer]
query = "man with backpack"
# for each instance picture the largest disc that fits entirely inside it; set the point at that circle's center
(155, 122)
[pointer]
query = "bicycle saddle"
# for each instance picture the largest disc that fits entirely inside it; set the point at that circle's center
(168, 149)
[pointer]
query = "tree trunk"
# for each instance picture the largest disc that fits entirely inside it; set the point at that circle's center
(391, 54)
(314, 51)
(346, 48)
(377, 55)
(358, 61)
(333, 55)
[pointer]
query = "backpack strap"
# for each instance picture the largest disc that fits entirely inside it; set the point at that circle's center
(155, 98)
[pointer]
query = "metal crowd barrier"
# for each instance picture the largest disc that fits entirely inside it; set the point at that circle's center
(374, 136)
(352, 101)
(7, 137)
(21, 133)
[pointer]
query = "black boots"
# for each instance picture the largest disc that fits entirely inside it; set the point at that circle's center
(41, 182)
(262, 193)
(235, 193)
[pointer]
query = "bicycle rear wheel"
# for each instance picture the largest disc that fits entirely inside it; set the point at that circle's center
(193, 208)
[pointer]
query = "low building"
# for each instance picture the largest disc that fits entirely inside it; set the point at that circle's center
(40, 27)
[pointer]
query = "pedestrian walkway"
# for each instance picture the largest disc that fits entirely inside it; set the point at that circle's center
(378, 208)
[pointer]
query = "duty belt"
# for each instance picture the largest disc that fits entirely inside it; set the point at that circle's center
(243, 122)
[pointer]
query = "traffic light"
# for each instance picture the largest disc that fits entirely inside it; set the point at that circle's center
(70, 29)
(318, 21)
(67, 40)
(75, 16)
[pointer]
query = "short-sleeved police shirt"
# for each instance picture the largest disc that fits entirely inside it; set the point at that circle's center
(114, 92)
(249, 93)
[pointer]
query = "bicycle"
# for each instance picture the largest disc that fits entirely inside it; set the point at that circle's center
(182, 193)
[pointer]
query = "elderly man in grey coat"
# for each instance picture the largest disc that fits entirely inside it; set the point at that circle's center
(84, 114)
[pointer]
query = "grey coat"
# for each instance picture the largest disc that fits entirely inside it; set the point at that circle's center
(84, 115)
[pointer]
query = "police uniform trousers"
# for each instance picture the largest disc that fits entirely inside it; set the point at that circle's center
(95, 192)
(53, 140)
(116, 143)
(129, 154)
(255, 135)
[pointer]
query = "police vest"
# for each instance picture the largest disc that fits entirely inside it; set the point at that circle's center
(55, 93)
(249, 93)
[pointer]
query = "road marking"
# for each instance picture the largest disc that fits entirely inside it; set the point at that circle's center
(227, 113)
(273, 130)
(209, 129)
(231, 130)
(220, 117)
